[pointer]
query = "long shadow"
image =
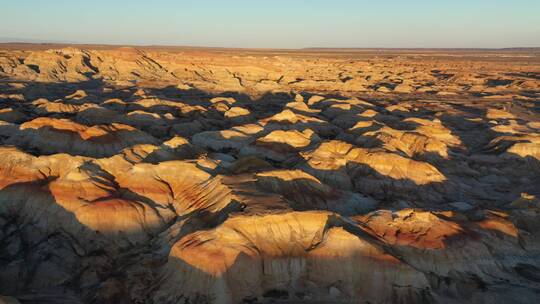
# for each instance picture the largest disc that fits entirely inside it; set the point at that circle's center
(48, 256)
(48, 140)
(39, 263)
(243, 273)
(30, 244)
(271, 104)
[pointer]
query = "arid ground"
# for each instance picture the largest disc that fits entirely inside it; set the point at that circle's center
(190, 175)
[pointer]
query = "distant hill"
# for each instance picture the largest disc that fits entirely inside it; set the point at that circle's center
(28, 40)
(510, 49)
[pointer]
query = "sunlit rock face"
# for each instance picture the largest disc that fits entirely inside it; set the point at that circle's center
(196, 176)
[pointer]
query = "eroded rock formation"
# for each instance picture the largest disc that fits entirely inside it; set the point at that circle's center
(197, 176)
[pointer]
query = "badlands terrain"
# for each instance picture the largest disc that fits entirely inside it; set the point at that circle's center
(186, 175)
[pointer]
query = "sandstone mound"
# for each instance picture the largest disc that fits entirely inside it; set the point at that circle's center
(345, 167)
(234, 138)
(517, 146)
(49, 136)
(319, 256)
(305, 192)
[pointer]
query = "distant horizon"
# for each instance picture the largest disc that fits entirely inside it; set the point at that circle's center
(4, 41)
(279, 24)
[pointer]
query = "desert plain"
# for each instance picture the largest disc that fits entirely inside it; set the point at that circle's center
(196, 175)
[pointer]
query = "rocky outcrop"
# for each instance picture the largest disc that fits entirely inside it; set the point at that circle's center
(156, 176)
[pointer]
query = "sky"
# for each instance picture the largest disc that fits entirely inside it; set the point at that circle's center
(277, 23)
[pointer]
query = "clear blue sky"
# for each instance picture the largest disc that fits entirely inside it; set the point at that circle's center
(277, 23)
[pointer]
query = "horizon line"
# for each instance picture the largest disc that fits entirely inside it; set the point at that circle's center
(52, 43)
